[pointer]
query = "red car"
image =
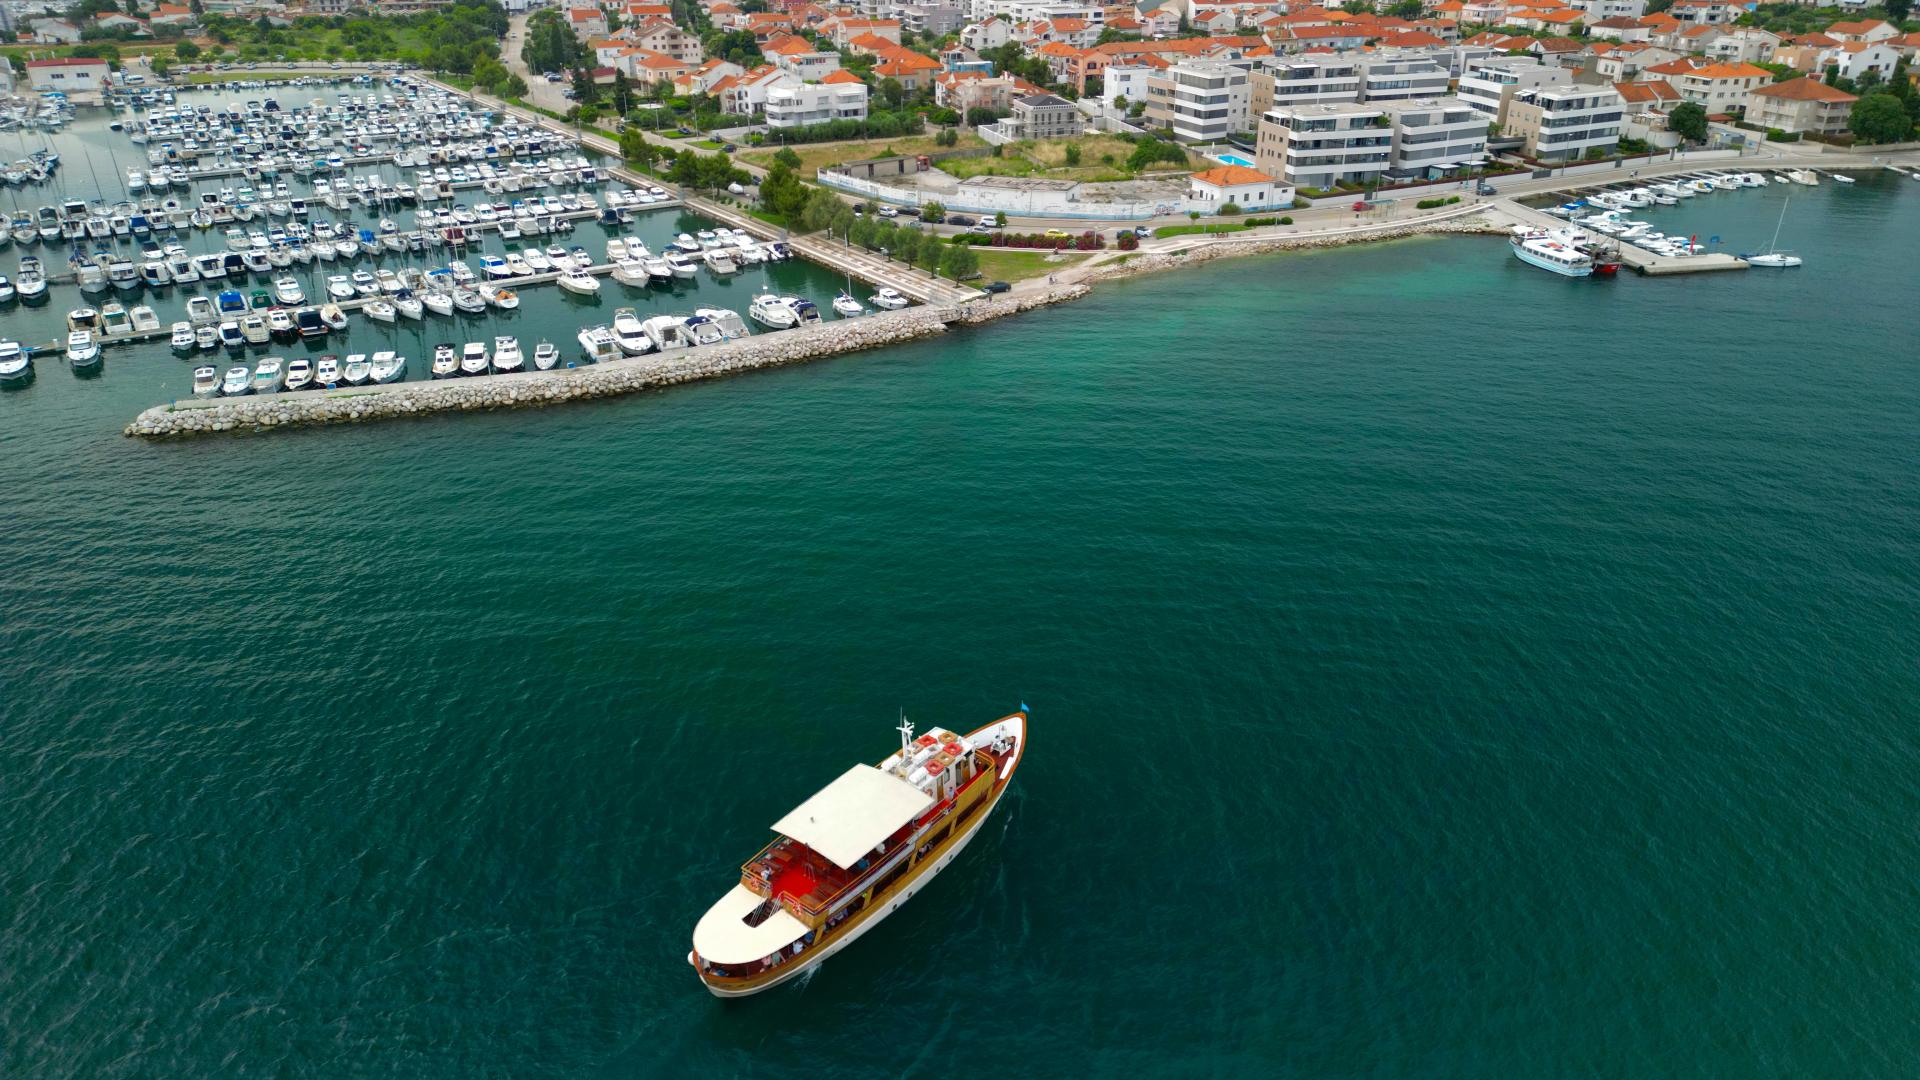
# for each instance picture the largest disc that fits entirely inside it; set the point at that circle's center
(1361, 205)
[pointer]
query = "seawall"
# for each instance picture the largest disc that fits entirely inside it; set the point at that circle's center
(537, 388)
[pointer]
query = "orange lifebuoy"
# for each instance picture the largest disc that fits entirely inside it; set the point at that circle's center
(934, 767)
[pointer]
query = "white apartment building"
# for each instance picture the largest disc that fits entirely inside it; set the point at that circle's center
(1489, 83)
(1319, 146)
(1287, 81)
(1200, 101)
(1402, 79)
(1031, 10)
(815, 103)
(1610, 9)
(1562, 123)
(1435, 137)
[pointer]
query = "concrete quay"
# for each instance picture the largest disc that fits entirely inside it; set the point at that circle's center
(540, 388)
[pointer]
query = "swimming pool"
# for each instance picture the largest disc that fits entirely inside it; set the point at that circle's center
(1232, 159)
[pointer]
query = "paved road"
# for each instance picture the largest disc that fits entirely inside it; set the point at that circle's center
(539, 91)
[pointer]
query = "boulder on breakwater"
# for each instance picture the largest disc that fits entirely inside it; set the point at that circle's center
(625, 376)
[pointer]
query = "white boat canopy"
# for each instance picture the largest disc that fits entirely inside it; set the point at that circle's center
(851, 816)
(723, 936)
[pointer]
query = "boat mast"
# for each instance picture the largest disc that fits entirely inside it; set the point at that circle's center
(906, 742)
(1775, 244)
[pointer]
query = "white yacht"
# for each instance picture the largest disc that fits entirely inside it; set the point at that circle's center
(357, 369)
(238, 381)
(1536, 247)
(268, 375)
(206, 381)
(546, 356)
(82, 349)
(576, 282)
(446, 362)
(379, 311)
(506, 354)
(388, 366)
(327, 372)
(473, 358)
(182, 337)
(772, 312)
(720, 261)
(889, 298)
(667, 332)
(847, 307)
(299, 374)
(598, 344)
(627, 332)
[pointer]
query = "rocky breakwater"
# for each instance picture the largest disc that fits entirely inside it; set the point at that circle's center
(538, 388)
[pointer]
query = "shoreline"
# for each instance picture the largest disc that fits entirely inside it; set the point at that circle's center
(530, 389)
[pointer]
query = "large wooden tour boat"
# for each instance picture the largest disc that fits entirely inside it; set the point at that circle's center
(853, 853)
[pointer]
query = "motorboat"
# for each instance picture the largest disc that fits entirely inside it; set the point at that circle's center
(84, 318)
(468, 301)
(579, 283)
(446, 362)
(340, 287)
(388, 366)
(440, 303)
(1539, 248)
(506, 354)
(357, 369)
(268, 374)
(8, 294)
(142, 319)
(731, 326)
(658, 269)
(598, 344)
(473, 358)
(680, 264)
(83, 351)
(720, 261)
(853, 853)
(206, 381)
(847, 307)
(307, 323)
(299, 374)
(238, 381)
(667, 332)
(546, 356)
(772, 312)
(504, 299)
(1841, 178)
(408, 305)
(287, 291)
(364, 284)
(627, 332)
(379, 311)
(30, 281)
(700, 330)
(114, 319)
(631, 272)
(182, 341)
(803, 310)
(335, 318)
(888, 298)
(16, 364)
(206, 337)
(326, 373)
(253, 329)
(537, 260)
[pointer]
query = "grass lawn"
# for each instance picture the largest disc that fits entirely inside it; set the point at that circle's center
(814, 156)
(708, 144)
(1199, 227)
(1002, 264)
(1102, 158)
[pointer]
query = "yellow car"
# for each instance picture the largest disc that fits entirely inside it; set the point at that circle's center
(1059, 234)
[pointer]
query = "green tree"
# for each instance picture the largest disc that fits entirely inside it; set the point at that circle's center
(1000, 218)
(784, 196)
(960, 262)
(1405, 9)
(1880, 118)
(1897, 10)
(786, 156)
(622, 93)
(932, 212)
(928, 252)
(891, 92)
(186, 51)
(1689, 121)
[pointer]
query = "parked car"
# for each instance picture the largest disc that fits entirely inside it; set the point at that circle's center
(996, 286)
(736, 188)
(728, 148)
(1485, 189)
(1143, 231)
(1059, 234)
(961, 219)
(683, 130)
(888, 211)
(981, 229)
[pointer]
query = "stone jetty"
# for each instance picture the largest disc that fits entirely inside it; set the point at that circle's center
(538, 388)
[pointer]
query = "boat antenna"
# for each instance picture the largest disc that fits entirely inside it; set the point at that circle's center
(906, 736)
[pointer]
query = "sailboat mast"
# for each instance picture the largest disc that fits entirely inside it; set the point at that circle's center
(1775, 245)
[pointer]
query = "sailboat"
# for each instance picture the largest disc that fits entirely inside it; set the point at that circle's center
(1773, 256)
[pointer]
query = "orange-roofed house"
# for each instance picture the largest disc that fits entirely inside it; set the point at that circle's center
(1695, 12)
(171, 15)
(587, 23)
(869, 45)
(910, 69)
(703, 79)
(1652, 95)
(1857, 58)
(1626, 62)
(661, 36)
(843, 29)
(800, 58)
(1060, 58)
(766, 25)
(1412, 39)
(1237, 186)
(1619, 28)
(1801, 104)
(1448, 11)
(1868, 30)
(651, 67)
(1722, 88)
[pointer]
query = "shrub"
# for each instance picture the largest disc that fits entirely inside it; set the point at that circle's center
(1777, 135)
(1286, 221)
(1229, 209)
(1428, 204)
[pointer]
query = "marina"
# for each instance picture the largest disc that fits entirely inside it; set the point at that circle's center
(224, 225)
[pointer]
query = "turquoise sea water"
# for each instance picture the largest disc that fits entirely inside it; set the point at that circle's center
(1438, 667)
